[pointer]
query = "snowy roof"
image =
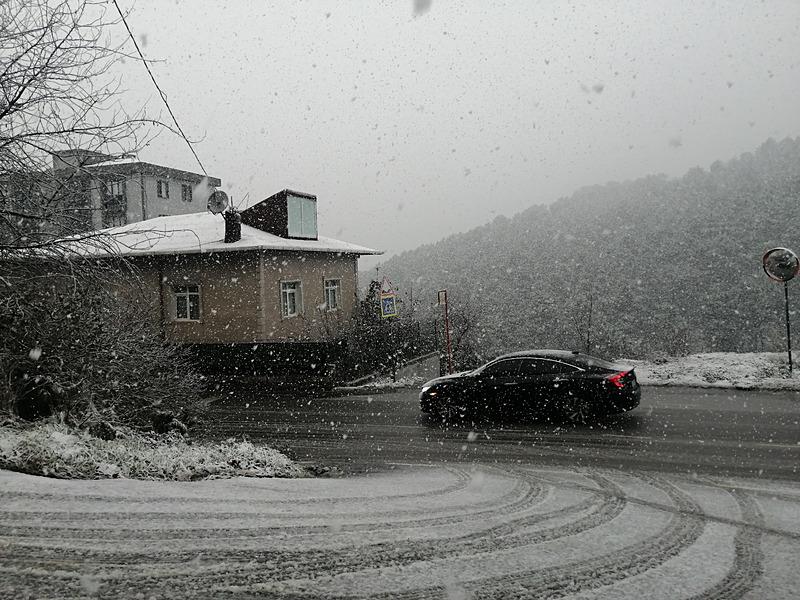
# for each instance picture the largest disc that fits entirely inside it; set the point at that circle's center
(203, 233)
(128, 159)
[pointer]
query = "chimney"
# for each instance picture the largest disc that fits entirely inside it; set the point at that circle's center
(233, 226)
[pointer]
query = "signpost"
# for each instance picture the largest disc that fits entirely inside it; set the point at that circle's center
(388, 299)
(781, 264)
(442, 301)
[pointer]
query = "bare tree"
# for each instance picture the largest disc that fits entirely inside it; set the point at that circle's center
(465, 331)
(58, 92)
(72, 343)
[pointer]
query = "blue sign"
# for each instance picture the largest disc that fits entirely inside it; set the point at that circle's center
(388, 305)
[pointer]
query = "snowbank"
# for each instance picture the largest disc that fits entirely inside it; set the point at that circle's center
(763, 370)
(57, 451)
(382, 384)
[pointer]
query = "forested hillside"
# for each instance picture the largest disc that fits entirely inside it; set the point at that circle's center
(640, 268)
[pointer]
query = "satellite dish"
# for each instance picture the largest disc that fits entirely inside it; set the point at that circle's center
(217, 202)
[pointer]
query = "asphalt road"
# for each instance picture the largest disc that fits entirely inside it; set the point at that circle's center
(676, 430)
(503, 511)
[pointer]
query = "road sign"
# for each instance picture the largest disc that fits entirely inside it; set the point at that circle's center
(388, 305)
(780, 264)
(387, 287)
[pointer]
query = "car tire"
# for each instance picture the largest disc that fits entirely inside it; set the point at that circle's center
(576, 408)
(452, 413)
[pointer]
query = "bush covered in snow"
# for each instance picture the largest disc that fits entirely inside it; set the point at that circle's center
(77, 343)
(55, 450)
(747, 370)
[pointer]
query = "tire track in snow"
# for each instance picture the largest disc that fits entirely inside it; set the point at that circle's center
(748, 564)
(538, 513)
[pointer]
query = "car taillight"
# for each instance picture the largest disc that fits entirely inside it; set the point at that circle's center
(617, 379)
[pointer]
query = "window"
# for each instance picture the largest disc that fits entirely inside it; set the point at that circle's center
(118, 188)
(302, 217)
(187, 302)
(162, 188)
(502, 368)
(332, 293)
(115, 205)
(291, 298)
(542, 366)
(186, 193)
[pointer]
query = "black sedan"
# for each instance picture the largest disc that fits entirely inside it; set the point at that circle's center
(534, 383)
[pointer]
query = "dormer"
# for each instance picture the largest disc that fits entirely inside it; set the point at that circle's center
(287, 214)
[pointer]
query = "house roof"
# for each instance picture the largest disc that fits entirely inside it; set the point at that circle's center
(202, 233)
(132, 166)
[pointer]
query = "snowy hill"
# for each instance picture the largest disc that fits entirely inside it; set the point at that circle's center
(662, 266)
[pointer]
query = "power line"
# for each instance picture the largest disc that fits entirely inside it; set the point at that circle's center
(160, 91)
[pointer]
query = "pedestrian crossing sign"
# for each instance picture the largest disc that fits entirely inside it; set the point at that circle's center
(388, 305)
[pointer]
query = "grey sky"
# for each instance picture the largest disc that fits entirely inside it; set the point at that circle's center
(410, 127)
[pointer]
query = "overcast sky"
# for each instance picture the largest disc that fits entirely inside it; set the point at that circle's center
(411, 121)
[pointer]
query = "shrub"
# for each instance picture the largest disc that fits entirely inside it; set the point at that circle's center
(78, 344)
(55, 450)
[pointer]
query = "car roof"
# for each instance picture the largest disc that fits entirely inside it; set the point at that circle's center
(573, 356)
(543, 354)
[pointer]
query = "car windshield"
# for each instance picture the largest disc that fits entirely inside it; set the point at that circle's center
(400, 299)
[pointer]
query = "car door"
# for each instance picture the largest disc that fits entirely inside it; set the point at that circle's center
(544, 382)
(496, 386)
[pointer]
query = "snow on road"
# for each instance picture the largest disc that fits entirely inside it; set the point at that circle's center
(446, 531)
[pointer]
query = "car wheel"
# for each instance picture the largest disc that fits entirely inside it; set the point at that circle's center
(576, 408)
(452, 413)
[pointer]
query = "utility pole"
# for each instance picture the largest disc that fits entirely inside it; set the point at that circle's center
(589, 326)
(442, 298)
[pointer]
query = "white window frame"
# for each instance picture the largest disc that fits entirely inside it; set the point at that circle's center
(117, 188)
(333, 285)
(305, 223)
(115, 200)
(297, 291)
(162, 188)
(186, 192)
(187, 291)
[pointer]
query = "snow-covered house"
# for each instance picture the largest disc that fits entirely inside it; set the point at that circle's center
(86, 191)
(274, 293)
(120, 190)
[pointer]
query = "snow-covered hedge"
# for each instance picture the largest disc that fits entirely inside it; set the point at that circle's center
(55, 450)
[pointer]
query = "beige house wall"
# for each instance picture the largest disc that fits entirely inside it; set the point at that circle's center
(311, 269)
(229, 297)
(241, 295)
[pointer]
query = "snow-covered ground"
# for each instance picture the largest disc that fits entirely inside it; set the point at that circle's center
(442, 531)
(763, 370)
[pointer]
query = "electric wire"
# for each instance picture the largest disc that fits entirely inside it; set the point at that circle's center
(160, 91)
